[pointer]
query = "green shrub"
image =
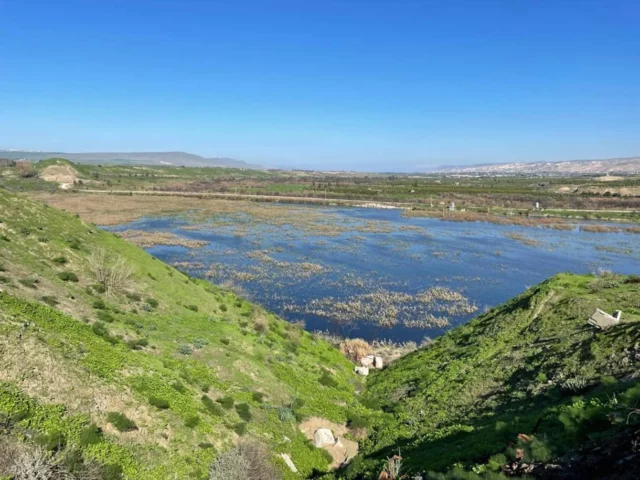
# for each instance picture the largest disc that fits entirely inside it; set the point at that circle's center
(185, 350)
(226, 402)
(121, 422)
(50, 300)
(90, 435)
(158, 402)
(205, 445)
(358, 421)
(138, 343)
(244, 411)
(193, 308)
(496, 462)
(133, 296)
(327, 380)
(211, 406)
(192, 421)
(28, 282)
(43, 239)
(199, 343)
(225, 341)
(60, 260)
(258, 397)
(4, 279)
(240, 428)
(105, 316)
(223, 308)
(54, 441)
(285, 414)
(99, 304)
(68, 277)
(178, 386)
(152, 302)
(25, 231)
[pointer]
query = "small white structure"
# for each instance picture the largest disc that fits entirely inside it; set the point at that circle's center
(323, 437)
(603, 320)
(364, 371)
(378, 362)
(537, 206)
(452, 207)
(289, 462)
(367, 361)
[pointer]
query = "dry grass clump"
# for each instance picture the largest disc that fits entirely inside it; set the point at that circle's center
(261, 325)
(246, 460)
(114, 276)
(355, 349)
(599, 228)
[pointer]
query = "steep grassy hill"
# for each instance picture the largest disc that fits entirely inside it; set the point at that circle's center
(531, 366)
(108, 355)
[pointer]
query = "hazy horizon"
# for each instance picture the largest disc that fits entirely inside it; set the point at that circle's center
(369, 86)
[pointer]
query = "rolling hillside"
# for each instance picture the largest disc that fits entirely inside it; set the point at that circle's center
(529, 375)
(111, 358)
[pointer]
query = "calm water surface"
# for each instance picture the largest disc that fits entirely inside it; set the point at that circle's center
(286, 268)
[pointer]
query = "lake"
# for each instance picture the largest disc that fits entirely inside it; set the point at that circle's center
(374, 273)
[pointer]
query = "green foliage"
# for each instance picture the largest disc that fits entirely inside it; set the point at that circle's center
(257, 397)
(60, 260)
(192, 421)
(68, 277)
(121, 421)
(185, 350)
(158, 402)
(90, 435)
(226, 402)
(327, 380)
(240, 428)
(211, 406)
(105, 316)
(193, 308)
(99, 304)
(244, 411)
(152, 302)
(50, 300)
(512, 370)
(28, 282)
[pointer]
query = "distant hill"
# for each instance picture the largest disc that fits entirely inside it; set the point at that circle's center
(137, 158)
(628, 165)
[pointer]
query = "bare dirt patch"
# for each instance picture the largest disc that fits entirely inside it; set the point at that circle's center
(344, 449)
(63, 174)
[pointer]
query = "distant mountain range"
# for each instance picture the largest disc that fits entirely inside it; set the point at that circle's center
(138, 158)
(573, 167)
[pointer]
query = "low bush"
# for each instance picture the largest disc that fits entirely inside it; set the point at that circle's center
(226, 402)
(50, 300)
(355, 349)
(158, 402)
(68, 277)
(193, 308)
(121, 422)
(192, 421)
(178, 386)
(258, 397)
(28, 282)
(185, 350)
(244, 411)
(247, 460)
(105, 316)
(133, 296)
(90, 435)
(152, 302)
(211, 406)
(240, 428)
(60, 260)
(327, 380)
(99, 304)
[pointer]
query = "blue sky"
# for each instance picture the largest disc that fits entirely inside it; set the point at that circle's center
(367, 85)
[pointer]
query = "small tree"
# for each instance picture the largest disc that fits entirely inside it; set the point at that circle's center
(115, 276)
(25, 169)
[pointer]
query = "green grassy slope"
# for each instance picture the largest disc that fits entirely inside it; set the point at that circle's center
(161, 352)
(531, 366)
